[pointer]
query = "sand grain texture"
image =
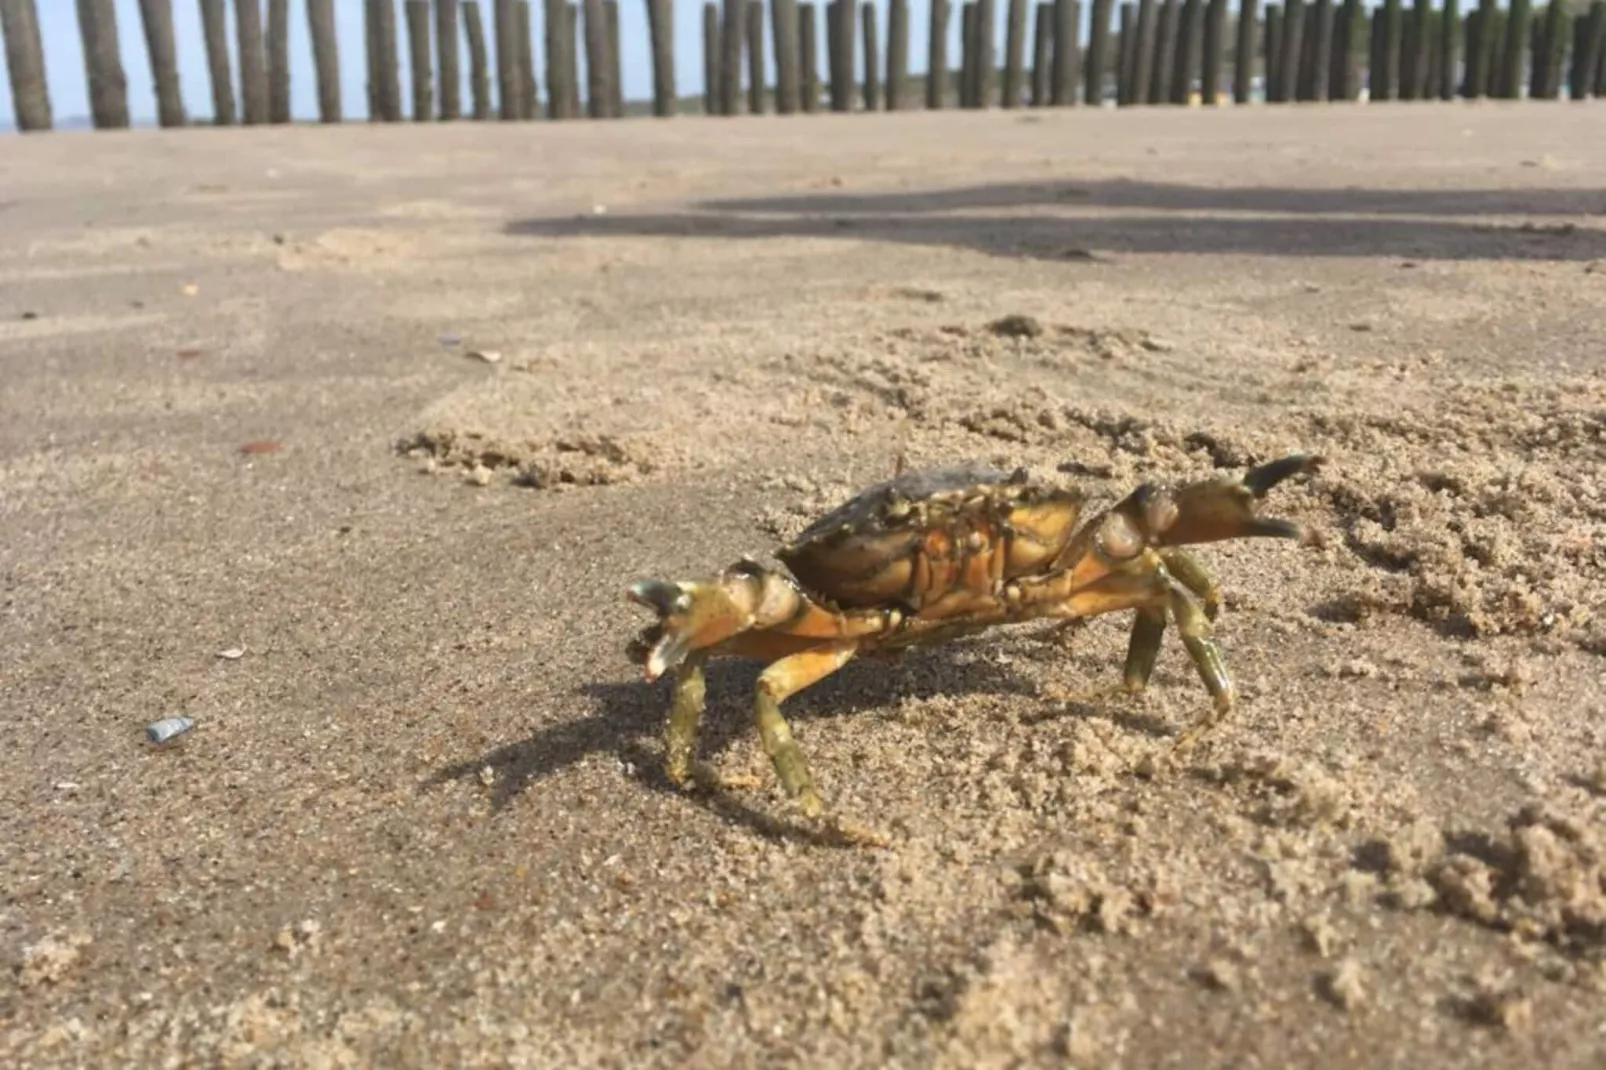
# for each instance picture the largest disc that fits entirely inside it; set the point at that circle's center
(421, 820)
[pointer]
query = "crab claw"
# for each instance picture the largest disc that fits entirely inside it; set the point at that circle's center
(692, 616)
(1216, 509)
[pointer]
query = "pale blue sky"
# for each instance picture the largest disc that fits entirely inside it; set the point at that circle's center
(64, 59)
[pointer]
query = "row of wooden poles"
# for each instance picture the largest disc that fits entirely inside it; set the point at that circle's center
(1146, 51)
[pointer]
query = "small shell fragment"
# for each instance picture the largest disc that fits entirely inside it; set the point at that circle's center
(489, 356)
(233, 653)
(168, 728)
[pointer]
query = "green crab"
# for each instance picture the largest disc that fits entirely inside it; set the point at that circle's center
(930, 556)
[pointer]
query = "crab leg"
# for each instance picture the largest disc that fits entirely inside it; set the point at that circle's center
(1192, 575)
(780, 681)
(1196, 636)
(685, 714)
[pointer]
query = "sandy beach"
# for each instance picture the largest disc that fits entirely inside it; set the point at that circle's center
(344, 443)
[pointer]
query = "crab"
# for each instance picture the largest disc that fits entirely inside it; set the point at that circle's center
(934, 555)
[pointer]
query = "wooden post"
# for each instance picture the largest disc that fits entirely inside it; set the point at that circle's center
(1215, 30)
(370, 38)
(215, 28)
(783, 38)
(897, 53)
(103, 62)
(1126, 63)
(730, 55)
(597, 65)
(1243, 63)
(1166, 23)
(509, 84)
(325, 57)
(554, 22)
(529, 88)
(253, 60)
(1449, 31)
(1479, 42)
(1518, 19)
(479, 71)
(1274, 51)
(1374, 57)
(1288, 54)
(1588, 33)
(967, 54)
(25, 60)
(446, 60)
(1098, 53)
(1189, 45)
(845, 18)
(754, 28)
(1144, 47)
(278, 57)
(1042, 54)
(986, 54)
(616, 74)
(157, 16)
(1388, 83)
(661, 31)
(711, 47)
(872, 58)
(1597, 47)
(1557, 29)
(1014, 54)
(937, 55)
(384, 73)
(571, 61)
(808, 50)
(1067, 61)
(1414, 60)
(418, 45)
(1318, 73)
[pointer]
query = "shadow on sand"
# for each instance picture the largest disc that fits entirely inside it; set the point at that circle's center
(1146, 217)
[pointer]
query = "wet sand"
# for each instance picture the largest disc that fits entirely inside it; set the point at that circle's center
(422, 818)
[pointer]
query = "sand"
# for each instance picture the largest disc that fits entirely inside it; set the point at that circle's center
(422, 819)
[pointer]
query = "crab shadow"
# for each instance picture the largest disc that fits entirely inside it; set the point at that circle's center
(1066, 220)
(630, 716)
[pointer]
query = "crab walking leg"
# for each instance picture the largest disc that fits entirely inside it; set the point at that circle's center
(1187, 570)
(777, 683)
(1196, 636)
(1144, 647)
(685, 714)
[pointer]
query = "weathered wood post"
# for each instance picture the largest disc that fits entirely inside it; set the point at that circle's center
(215, 29)
(1318, 68)
(986, 53)
(25, 60)
(1388, 84)
(1144, 47)
(103, 63)
(479, 70)
(1042, 54)
(597, 65)
(1014, 54)
(872, 57)
(783, 38)
(1375, 57)
(845, 22)
(370, 41)
(967, 54)
(253, 60)
(1189, 45)
(808, 50)
(730, 55)
(1243, 63)
(278, 56)
(1289, 48)
(897, 53)
(1210, 81)
(1449, 32)
(1548, 60)
(616, 74)
(1414, 52)
(157, 16)
(661, 30)
(1098, 53)
(325, 57)
(446, 61)
(1589, 37)
(418, 44)
(1067, 60)
(1476, 81)
(754, 28)
(937, 55)
(509, 85)
(386, 73)
(1518, 19)
(1274, 51)
(711, 49)
(554, 24)
(524, 34)
(1167, 27)
(571, 61)
(1126, 63)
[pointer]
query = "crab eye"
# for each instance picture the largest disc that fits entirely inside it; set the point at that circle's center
(1118, 538)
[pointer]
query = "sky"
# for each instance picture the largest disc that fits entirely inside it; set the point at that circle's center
(64, 58)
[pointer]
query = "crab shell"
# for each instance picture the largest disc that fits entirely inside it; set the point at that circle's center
(912, 540)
